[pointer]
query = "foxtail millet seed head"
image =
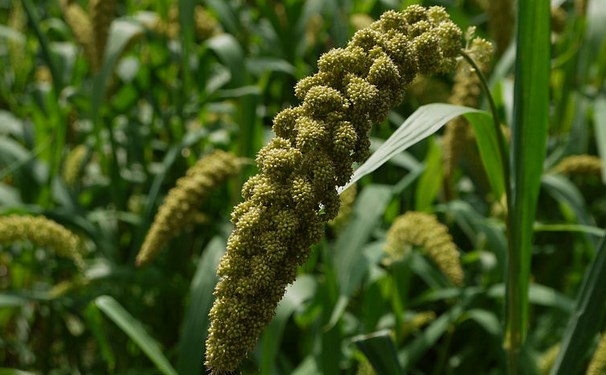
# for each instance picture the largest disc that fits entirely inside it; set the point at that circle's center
(182, 201)
(597, 366)
(101, 16)
(41, 232)
(287, 204)
(74, 162)
(418, 229)
(579, 165)
(82, 28)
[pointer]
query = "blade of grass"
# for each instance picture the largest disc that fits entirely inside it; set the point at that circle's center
(583, 325)
(34, 22)
(12, 371)
(186, 28)
(488, 145)
(380, 350)
(133, 328)
(302, 289)
(94, 321)
(349, 263)
(599, 117)
(195, 324)
(529, 139)
(430, 181)
(427, 339)
(425, 121)
(568, 195)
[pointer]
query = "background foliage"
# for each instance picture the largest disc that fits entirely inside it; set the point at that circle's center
(177, 83)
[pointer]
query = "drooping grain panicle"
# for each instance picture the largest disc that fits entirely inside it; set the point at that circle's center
(418, 229)
(466, 91)
(294, 194)
(41, 232)
(74, 162)
(82, 28)
(597, 366)
(579, 165)
(101, 15)
(501, 22)
(183, 200)
(547, 359)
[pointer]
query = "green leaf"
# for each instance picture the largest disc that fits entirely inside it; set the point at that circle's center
(566, 193)
(486, 234)
(121, 33)
(583, 325)
(94, 321)
(540, 295)
(34, 21)
(430, 181)
(529, 140)
(13, 371)
(133, 329)
(301, 290)
(8, 300)
(12, 35)
(381, 352)
(231, 55)
(600, 131)
(570, 228)
(425, 121)
(350, 265)
(488, 145)
(10, 124)
(195, 324)
(428, 337)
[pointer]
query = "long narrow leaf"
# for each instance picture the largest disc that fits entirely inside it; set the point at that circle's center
(302, 289)
(489, 150)
(600, 131)
(425, 121)
(529, 138)
(191, 343)
(430, 181)
(583, 324)
(133, 328)
(350, 264)
(380, 350)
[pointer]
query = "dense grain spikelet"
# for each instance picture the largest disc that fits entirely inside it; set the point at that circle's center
(101, 16)
(559, 17)
(579, 165)
(501, 21)
(547, 359)
(73, 165)
(365, 368)
(41, 232)
(597, 366)
(415, 323)
(466, 91)
(81, 26)
(287, 204)
(205, 24)
(417, 229)
(580, 7)
(182, 201)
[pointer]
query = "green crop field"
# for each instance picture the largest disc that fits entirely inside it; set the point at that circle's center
(302, 187)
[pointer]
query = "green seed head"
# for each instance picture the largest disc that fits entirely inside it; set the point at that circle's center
(287, 204)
